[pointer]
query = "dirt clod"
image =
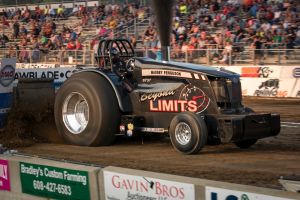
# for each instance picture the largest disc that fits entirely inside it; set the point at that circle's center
(19, 129)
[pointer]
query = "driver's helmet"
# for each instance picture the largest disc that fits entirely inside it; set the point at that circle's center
(114, 53)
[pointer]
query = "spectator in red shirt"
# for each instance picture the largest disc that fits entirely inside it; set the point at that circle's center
(71, 45)
(5, 22)
(78, 45)
(82, 10)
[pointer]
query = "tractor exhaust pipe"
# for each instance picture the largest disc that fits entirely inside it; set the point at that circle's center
(164, 15)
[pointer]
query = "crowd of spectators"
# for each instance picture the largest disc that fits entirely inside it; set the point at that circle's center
(230, 25)
(37, 31)
(226, 26)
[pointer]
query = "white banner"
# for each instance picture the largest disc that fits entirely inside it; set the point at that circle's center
(165, 72)
(68, 5)
(122, 186)
(213, 193)
(34, 65)
(58, 74)
(80, 3)
(267, 87)
(7, 72)
(265, 71)
(296, 89)
(92, 3)
(5, 89)
(289, 71)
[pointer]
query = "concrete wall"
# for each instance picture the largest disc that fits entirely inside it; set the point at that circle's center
(121, 183)
(201, 186)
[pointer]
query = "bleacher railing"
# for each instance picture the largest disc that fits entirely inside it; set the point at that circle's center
(67, 3)
(198, 56)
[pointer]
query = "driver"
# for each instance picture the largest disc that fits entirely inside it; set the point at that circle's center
(119, 68)
(118, 65)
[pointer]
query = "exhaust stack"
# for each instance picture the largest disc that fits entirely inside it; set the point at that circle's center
(164, 14)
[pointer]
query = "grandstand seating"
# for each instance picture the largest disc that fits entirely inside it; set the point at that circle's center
(240, 52)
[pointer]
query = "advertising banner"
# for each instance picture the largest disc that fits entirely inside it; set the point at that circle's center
(54, 182)
(290, 72)
(58, 74)
(122, 186)
(261, 71)
(268, 87)
(4, 175)
(7, 73)
(40, 65)
(296, 72)
(264, 71)
(92, 3)
(296, 89)
(34, 65)
(213, 193)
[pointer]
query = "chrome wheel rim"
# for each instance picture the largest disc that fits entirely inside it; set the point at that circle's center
(183, 133)
(75, 113)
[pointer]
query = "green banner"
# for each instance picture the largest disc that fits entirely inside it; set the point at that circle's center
(54, 182)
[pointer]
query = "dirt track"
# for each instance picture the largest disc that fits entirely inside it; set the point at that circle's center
(260, 165)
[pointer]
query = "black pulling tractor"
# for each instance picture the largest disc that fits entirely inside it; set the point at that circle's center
(196, 105)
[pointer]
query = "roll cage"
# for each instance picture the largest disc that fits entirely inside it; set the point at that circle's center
(103, 55)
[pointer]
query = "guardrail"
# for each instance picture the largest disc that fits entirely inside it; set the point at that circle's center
(207, 56)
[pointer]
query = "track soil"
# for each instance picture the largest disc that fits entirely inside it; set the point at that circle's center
(260, 165)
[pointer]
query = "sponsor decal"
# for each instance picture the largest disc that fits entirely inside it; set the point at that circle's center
(196, 76)
(263, 72)
(171, 73)
(7, 75)
(213, 193)
(4, 175)
(191, 99)
(153, 130)
(296, 72)
(153, 96)
(173, 106)
(146, 80)
(197, 100)
(123, 186)
(54, 182)
(270, 88)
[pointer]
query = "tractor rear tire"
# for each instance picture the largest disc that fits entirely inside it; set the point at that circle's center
(87, 111)
(188, 133)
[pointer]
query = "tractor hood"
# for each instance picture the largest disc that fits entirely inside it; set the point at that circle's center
(211, 71)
